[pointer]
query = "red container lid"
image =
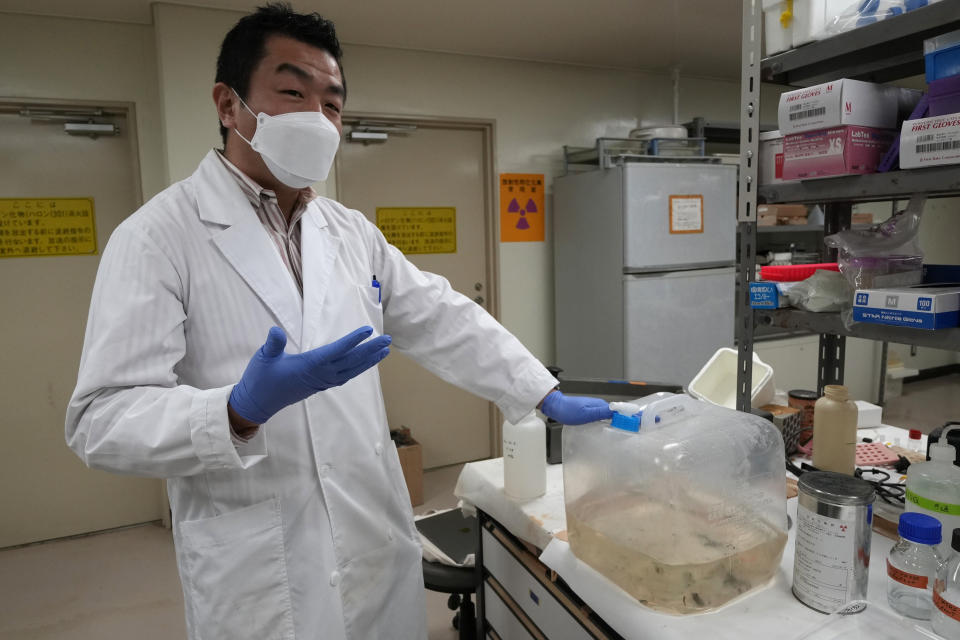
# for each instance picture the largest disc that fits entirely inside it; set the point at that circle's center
(915, 434)
(794, 272)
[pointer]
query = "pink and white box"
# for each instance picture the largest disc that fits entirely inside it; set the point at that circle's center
(838, 151)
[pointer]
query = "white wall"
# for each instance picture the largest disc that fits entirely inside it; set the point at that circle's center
(794, 363)
(537, 109)
(66, 59)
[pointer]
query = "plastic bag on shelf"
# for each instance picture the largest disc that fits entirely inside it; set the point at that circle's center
(865, 12)
(823, 291)
(886, 254)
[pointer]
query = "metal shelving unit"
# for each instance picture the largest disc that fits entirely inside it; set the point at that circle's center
(832, 324)
(895, 185)
(880, 52)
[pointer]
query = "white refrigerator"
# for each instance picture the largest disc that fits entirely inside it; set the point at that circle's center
(644, 257)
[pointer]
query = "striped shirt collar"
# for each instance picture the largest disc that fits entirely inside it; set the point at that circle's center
(255, 192)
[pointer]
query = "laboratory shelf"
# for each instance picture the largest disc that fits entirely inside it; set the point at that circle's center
(800, 228)
(880, 52)
(873, 187)
(830, 323)
(789, 228)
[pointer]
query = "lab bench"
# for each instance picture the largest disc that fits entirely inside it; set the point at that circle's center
(532, 586)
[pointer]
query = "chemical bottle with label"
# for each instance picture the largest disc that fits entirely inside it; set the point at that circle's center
(835, 431)
(945, 618)
(525, 457)
(933, 487)
(912, 565)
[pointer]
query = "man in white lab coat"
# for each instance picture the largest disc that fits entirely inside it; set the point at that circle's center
(291, 518)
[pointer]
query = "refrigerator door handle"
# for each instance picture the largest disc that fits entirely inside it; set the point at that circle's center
(690, 266)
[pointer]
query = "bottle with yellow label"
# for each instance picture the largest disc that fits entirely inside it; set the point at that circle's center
(933, 487)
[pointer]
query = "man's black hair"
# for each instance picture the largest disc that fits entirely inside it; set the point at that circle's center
(245, 45)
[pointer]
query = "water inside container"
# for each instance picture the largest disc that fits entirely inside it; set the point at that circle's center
(682, 552)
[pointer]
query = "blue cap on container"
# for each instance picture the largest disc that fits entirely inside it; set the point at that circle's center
(627, 423)
(919, 527)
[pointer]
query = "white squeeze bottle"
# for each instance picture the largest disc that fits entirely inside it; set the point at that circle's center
(525, 458)
(933, 487)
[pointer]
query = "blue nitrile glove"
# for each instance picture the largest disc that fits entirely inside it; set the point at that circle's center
(274, 379)
(575, 409)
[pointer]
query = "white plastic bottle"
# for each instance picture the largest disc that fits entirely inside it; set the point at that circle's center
(525, 458)
(835, 431)
(933, 487)
(945, 618)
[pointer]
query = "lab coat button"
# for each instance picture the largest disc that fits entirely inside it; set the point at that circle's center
(390, 534)
(379, 448)
(334, 578)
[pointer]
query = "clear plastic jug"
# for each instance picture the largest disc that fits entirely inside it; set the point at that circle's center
(685, 514)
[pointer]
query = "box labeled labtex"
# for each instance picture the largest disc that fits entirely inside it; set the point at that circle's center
(838, 151)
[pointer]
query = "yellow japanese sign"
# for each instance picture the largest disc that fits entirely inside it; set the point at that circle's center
(47, 227)
(521, 207)
(419, 229)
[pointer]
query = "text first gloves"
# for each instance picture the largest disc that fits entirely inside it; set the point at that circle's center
(574, 409)
(274, 379)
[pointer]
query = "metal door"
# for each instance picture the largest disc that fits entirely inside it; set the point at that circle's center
(47, 491)
(432, 165)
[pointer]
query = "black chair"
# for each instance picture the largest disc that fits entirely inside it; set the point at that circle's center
(456, 536)
(459, 582)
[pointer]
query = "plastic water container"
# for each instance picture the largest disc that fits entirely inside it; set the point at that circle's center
(717, 381)
(941, 56)
(777, 26)
(811, 18)
(684, 517)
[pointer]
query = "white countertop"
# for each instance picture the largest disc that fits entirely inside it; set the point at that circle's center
(772, 612)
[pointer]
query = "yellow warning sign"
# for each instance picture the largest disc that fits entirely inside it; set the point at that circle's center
(32, 227)
(419, 229)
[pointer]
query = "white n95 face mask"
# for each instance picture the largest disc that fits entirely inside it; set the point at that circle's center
(298, 148)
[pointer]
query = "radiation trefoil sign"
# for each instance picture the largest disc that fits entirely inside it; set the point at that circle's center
(521, 207)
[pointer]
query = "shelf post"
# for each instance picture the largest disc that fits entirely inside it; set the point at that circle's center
(747, 197)
(833, 347)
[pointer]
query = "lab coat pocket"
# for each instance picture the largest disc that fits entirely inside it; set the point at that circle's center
(236, 574)
(370, 303)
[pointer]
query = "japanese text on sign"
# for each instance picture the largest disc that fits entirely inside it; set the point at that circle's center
(419, 229)
(521, 207)
(32, 227)
(686, 214)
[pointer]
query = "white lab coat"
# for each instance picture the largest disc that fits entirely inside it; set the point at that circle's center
(306, 531)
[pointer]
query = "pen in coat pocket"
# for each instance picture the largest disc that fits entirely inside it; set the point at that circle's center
(376, 285)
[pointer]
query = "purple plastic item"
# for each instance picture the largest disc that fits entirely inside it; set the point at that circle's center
(892, 158)
(944, 96)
